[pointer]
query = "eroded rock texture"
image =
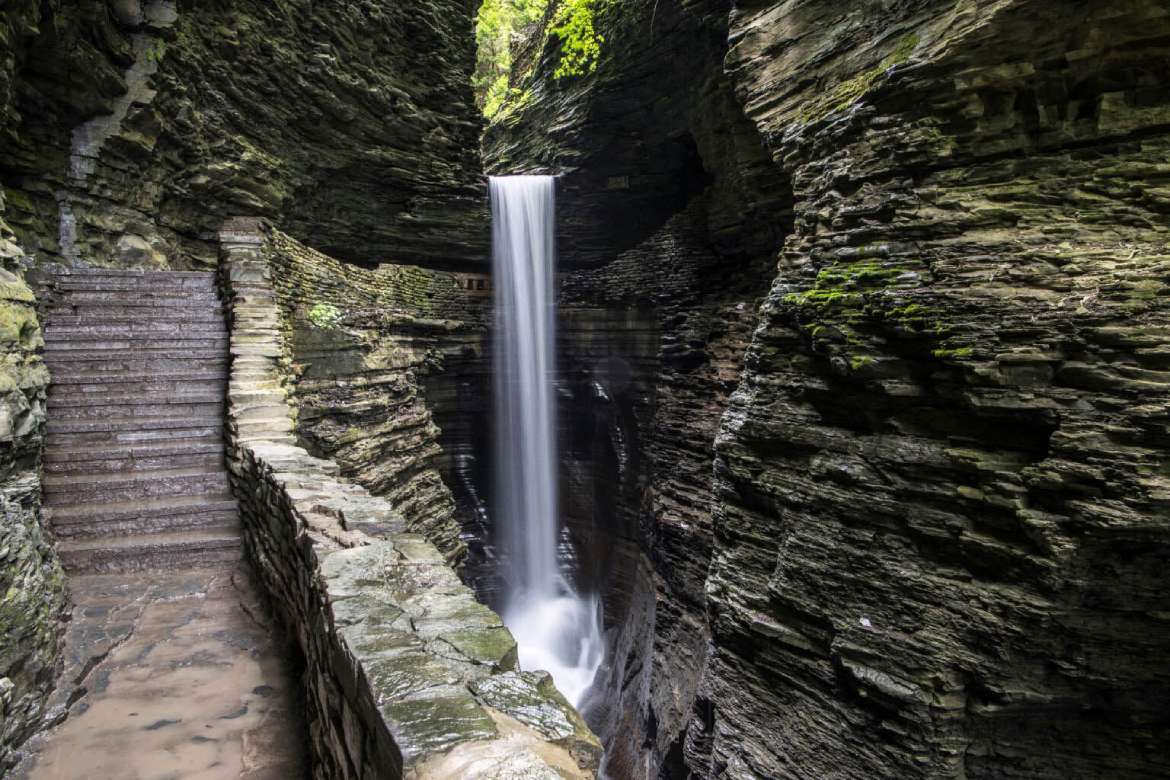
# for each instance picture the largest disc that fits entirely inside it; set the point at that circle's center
(405, 673)
(361, 346)
(32, 585)
(938, 537)
(941, 519)
(133, 128)
(670, 214)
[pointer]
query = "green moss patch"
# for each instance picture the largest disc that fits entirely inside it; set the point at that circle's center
(844, 94)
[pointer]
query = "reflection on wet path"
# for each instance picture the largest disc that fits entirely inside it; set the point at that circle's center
(182, 679)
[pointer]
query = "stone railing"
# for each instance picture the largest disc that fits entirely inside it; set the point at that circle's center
(406, 674)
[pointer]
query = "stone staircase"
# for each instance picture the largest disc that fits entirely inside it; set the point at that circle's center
(135, 476)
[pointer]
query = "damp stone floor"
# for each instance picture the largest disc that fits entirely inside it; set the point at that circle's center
(172, 676)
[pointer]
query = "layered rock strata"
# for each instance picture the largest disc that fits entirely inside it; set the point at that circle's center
(939, 492)
(132, 129)
(670, 215)
(406, 674)
(364, 350)
(33, 596)
(941, 485)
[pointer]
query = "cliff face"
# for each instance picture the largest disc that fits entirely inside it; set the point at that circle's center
(135, 127)
(939, 487)
(670, 213)
(32, 585)
(33, 595)
(369, 354)
(129, 129)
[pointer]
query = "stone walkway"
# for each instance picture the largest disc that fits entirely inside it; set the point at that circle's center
(170, 676)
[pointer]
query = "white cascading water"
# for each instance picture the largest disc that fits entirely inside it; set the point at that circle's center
(556, 629)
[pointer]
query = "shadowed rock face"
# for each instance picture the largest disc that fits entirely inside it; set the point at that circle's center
(939, 499)
(935, 536)
(33, 598)
(131, 130)
(670, 213)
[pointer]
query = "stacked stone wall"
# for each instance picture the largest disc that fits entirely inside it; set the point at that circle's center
(360, 345)
(405, 673)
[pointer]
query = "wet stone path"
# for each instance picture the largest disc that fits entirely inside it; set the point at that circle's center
(172, 676)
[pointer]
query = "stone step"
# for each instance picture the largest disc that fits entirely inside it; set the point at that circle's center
(136, 344)
(176, 431)
(99, 410)
(84, 456)
(142, 509)
(88, 367)
(56, 333)
(131, 273)
(277, 427)
(179, 549)
(81, 316)
(154, 281)
(137, 464)
(143, 379)
(135, 299)
(88, 527)
(73, 489)
(135, 393)
(60, 353)
(126, 424)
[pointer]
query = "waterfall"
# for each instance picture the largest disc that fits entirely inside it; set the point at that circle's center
(556, 628)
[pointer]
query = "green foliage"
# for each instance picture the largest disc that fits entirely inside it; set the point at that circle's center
(497, 27)
(156, 51)
(574, 24)
(503, 25)
(325, 316)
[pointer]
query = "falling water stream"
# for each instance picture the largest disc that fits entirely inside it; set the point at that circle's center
(557, 629)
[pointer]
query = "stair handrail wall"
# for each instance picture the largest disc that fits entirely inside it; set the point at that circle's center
(338, 564)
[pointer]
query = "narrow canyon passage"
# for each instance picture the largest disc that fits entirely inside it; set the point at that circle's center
(173, 666)
(570, 389)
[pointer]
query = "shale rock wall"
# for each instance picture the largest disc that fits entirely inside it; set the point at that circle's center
(939, 488)
(132, 128)
(670, 214)
(33, 597)
(361, 348)
(942, 495)
(405, 673)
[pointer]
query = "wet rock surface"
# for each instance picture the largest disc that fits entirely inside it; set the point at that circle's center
(939, 514)
(934, 524)
(172, 675)
(401, 660)
(670, 213)
(371, 381)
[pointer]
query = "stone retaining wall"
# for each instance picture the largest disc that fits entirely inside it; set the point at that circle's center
(358, 345)
(405, 673)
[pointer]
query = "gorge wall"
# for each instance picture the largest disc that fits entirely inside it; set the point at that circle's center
(33, 599)
(129, 130)
(368, 353)
(941, 483)
(931, 541)
(864, 348)
(133, 128)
